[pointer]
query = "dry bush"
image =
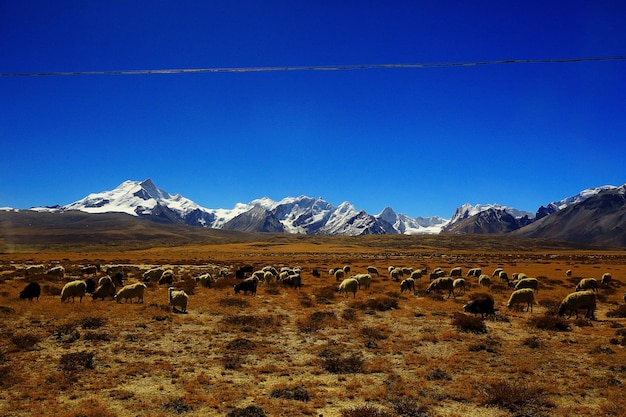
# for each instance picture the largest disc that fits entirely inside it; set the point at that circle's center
(25, 341)
(298, 393)
(97, 336)
(532, 342)
(466, 323)
(250, 321)
(75, 361)
(249, 411)
(234, 302)
(240, 344)
(67, 333)
(177, 406)
(327, 292)
(515, 397)
(619, 312)
(349, 314)
(365, 410)
(408, 407)
(549, 322)
(373, 333)
(316, 321)
(349, 363)
(92, 322)
(382, 303)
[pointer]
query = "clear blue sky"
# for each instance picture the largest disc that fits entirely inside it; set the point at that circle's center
(423, 141)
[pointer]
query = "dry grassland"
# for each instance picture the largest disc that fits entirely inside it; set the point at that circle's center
(311, 351)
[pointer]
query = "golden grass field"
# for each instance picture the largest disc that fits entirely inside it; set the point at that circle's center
(313, 352)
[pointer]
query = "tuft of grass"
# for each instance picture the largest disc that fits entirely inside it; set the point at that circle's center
(75, 361)
(347, 364)
(514, 397)
(408, 407)
(532, 342)
(466, 323)
(295, 393)
(249, 411)
(177, 406)
(549, 322)
(92, 322)
(24, 341)
(619, 312)
(373, 333)
(241, 344)
(365, 410)
(383, 303)
(349, 314)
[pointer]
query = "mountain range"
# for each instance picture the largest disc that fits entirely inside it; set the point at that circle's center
(593, 216)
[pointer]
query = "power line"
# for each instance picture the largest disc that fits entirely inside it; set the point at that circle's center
(313, 67)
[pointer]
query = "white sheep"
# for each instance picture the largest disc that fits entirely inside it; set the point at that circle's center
(456, 272)
(204, 280)
(395, 274)
(416, 275)
(57, 271)
(587, 284)
(349, 285)
(178, 299)
(532, 283)
(152, 274)
(523, 295)
(34, 270)
(484, 281)
(268, 276)
(568, 273)
(496, 272)
(340, 274)
(459, 284)
(443, 283)
(474, 272)
(606, 278)
(74, 289)
(407, 284)
(131, 291)
(572, 302)
(372, 270)
(104, 290)
(365, 280)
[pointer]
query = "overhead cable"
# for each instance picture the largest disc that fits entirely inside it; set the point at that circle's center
(313, 67)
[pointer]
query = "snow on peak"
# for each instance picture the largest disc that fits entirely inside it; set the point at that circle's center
(581, 196)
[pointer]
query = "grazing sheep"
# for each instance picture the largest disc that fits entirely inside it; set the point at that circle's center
(74, 289)
(504, 277)
(407, 284)
(456, 272)
(459, 284)
(131, 291)
(167, 277)
(373, 270)
(524, 295)
(91, 285)
(268, 276)
(114, 269)
(416, 275)
(293, 281)
(440, 284)
(474, 272)
(496, 272)
(90, 269)
(57, 271)
(339, 274)
(407, 271)
(204, 280)
(152, 274)
(532, 283)
(178, 299)
(34, 270)
(118, 279)
(349, 285)
(346, 269)
(365, 280)
(316, 273)
(606, 278)
(105, 280)
(587, 284)
(568, 273)
(437, 273)
(481, 304)
(30, 291)
(247, 285)
(484, 281)
(241, 272)
(572, 302)
(395, 274)
(103, 291)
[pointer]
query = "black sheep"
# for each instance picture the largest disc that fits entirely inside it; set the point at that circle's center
(32, 290)
(481, 304)
(246, 285)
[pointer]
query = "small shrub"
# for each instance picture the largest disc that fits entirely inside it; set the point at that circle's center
(241, 344)
(532, 342)
(408, 407)
(619, 312)
(467, 323)
(249, 411)
(249, 321)
(328, 292)
(349, 364)
(549, 322)
(365, 411)
(349, 314)
(295, 393)
(76, 360)
(177, 406)
(234, 302)
(24, 341)
(305, 301)
(373, 333)
(514, 397)
(92, 322)
(437, 374)
(97, 336)
(316, 321)
(67, 333)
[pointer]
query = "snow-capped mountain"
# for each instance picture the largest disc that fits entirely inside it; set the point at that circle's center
(467, 210)
(306, 215)
(404, 224)
(568, 201)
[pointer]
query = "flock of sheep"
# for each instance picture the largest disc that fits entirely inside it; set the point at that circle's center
(452, 282)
